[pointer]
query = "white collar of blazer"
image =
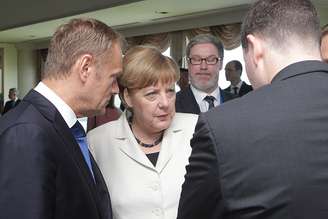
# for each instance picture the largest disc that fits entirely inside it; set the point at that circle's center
(130, 147)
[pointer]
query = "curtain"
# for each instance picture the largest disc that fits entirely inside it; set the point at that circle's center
(229, 34)
(160, 40)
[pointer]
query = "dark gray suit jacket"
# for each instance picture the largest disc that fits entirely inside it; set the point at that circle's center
(186, 103)
(43, 174)
(264, 155)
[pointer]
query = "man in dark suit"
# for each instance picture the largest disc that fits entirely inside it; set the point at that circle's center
(46, 170)
(205, 57)
(233, 70)
(13, 100)
(266, 155)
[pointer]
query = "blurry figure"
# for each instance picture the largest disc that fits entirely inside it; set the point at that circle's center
(324, 43)
(13, 100)
(233, 70)
(183, 82)
(112, 113)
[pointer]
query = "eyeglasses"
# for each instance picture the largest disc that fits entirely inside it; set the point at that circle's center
(212, 60)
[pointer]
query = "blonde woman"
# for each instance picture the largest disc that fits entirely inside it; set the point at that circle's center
(143, 154)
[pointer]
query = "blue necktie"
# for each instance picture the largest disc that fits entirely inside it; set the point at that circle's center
(80, 136)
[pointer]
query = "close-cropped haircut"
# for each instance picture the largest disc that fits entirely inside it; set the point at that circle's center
(77, 37)
(278, 20)
(236, 64)
(205, 38)
(144, 66)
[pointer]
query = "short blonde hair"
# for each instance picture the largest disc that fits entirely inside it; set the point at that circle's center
(145, 66)
(77, 37)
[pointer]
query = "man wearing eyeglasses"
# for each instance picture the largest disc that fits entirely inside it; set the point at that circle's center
(205, 57)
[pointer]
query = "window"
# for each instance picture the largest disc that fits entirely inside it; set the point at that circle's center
(229, 55)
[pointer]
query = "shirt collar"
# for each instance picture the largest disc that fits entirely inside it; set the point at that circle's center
(200, 95)
(238, 85)
(64, 109)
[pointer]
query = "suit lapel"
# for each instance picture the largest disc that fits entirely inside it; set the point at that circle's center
(103, 197)
(172, 137)
(129, 145)
(49, 111)
(191, 103)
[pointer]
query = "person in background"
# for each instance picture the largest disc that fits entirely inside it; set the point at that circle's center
(183, 82)
(112, 113)
(233, 70)
(143, 154)
(265, 155)
(205, 58)
(324, 43)
(13, 100)
(46, 170)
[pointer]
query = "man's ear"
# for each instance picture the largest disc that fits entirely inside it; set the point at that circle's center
(84, 65)
(256, 49)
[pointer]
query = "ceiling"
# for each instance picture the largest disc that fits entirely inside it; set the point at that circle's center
(36, 22)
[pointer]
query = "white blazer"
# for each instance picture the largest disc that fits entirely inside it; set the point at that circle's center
(139, 190)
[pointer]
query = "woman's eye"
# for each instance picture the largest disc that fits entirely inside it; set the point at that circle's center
(171, 92)
(151, 96)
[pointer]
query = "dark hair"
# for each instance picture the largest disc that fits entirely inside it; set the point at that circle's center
(13, 90)
(237, 65)
(205, 38)
(277, 20)
(77, 37)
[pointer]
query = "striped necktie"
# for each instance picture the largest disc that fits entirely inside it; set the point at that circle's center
(210, 100)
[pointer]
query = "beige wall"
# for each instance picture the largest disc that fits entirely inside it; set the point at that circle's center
(9, 68)
(27, 70)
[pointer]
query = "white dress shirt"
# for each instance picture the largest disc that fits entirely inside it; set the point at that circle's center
(65, 111)
(238, 86)
(200, 95)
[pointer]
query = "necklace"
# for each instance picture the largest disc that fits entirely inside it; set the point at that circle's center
(159, 140)
(149, 145)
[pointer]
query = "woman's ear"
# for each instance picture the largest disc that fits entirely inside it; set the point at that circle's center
(127, 98)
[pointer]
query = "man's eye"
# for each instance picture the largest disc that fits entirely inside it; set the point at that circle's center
(196, 60)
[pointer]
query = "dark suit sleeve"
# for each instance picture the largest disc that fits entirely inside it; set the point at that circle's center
(27, 174)
(201, 195)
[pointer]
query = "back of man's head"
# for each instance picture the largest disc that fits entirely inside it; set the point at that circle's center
(282, 23)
